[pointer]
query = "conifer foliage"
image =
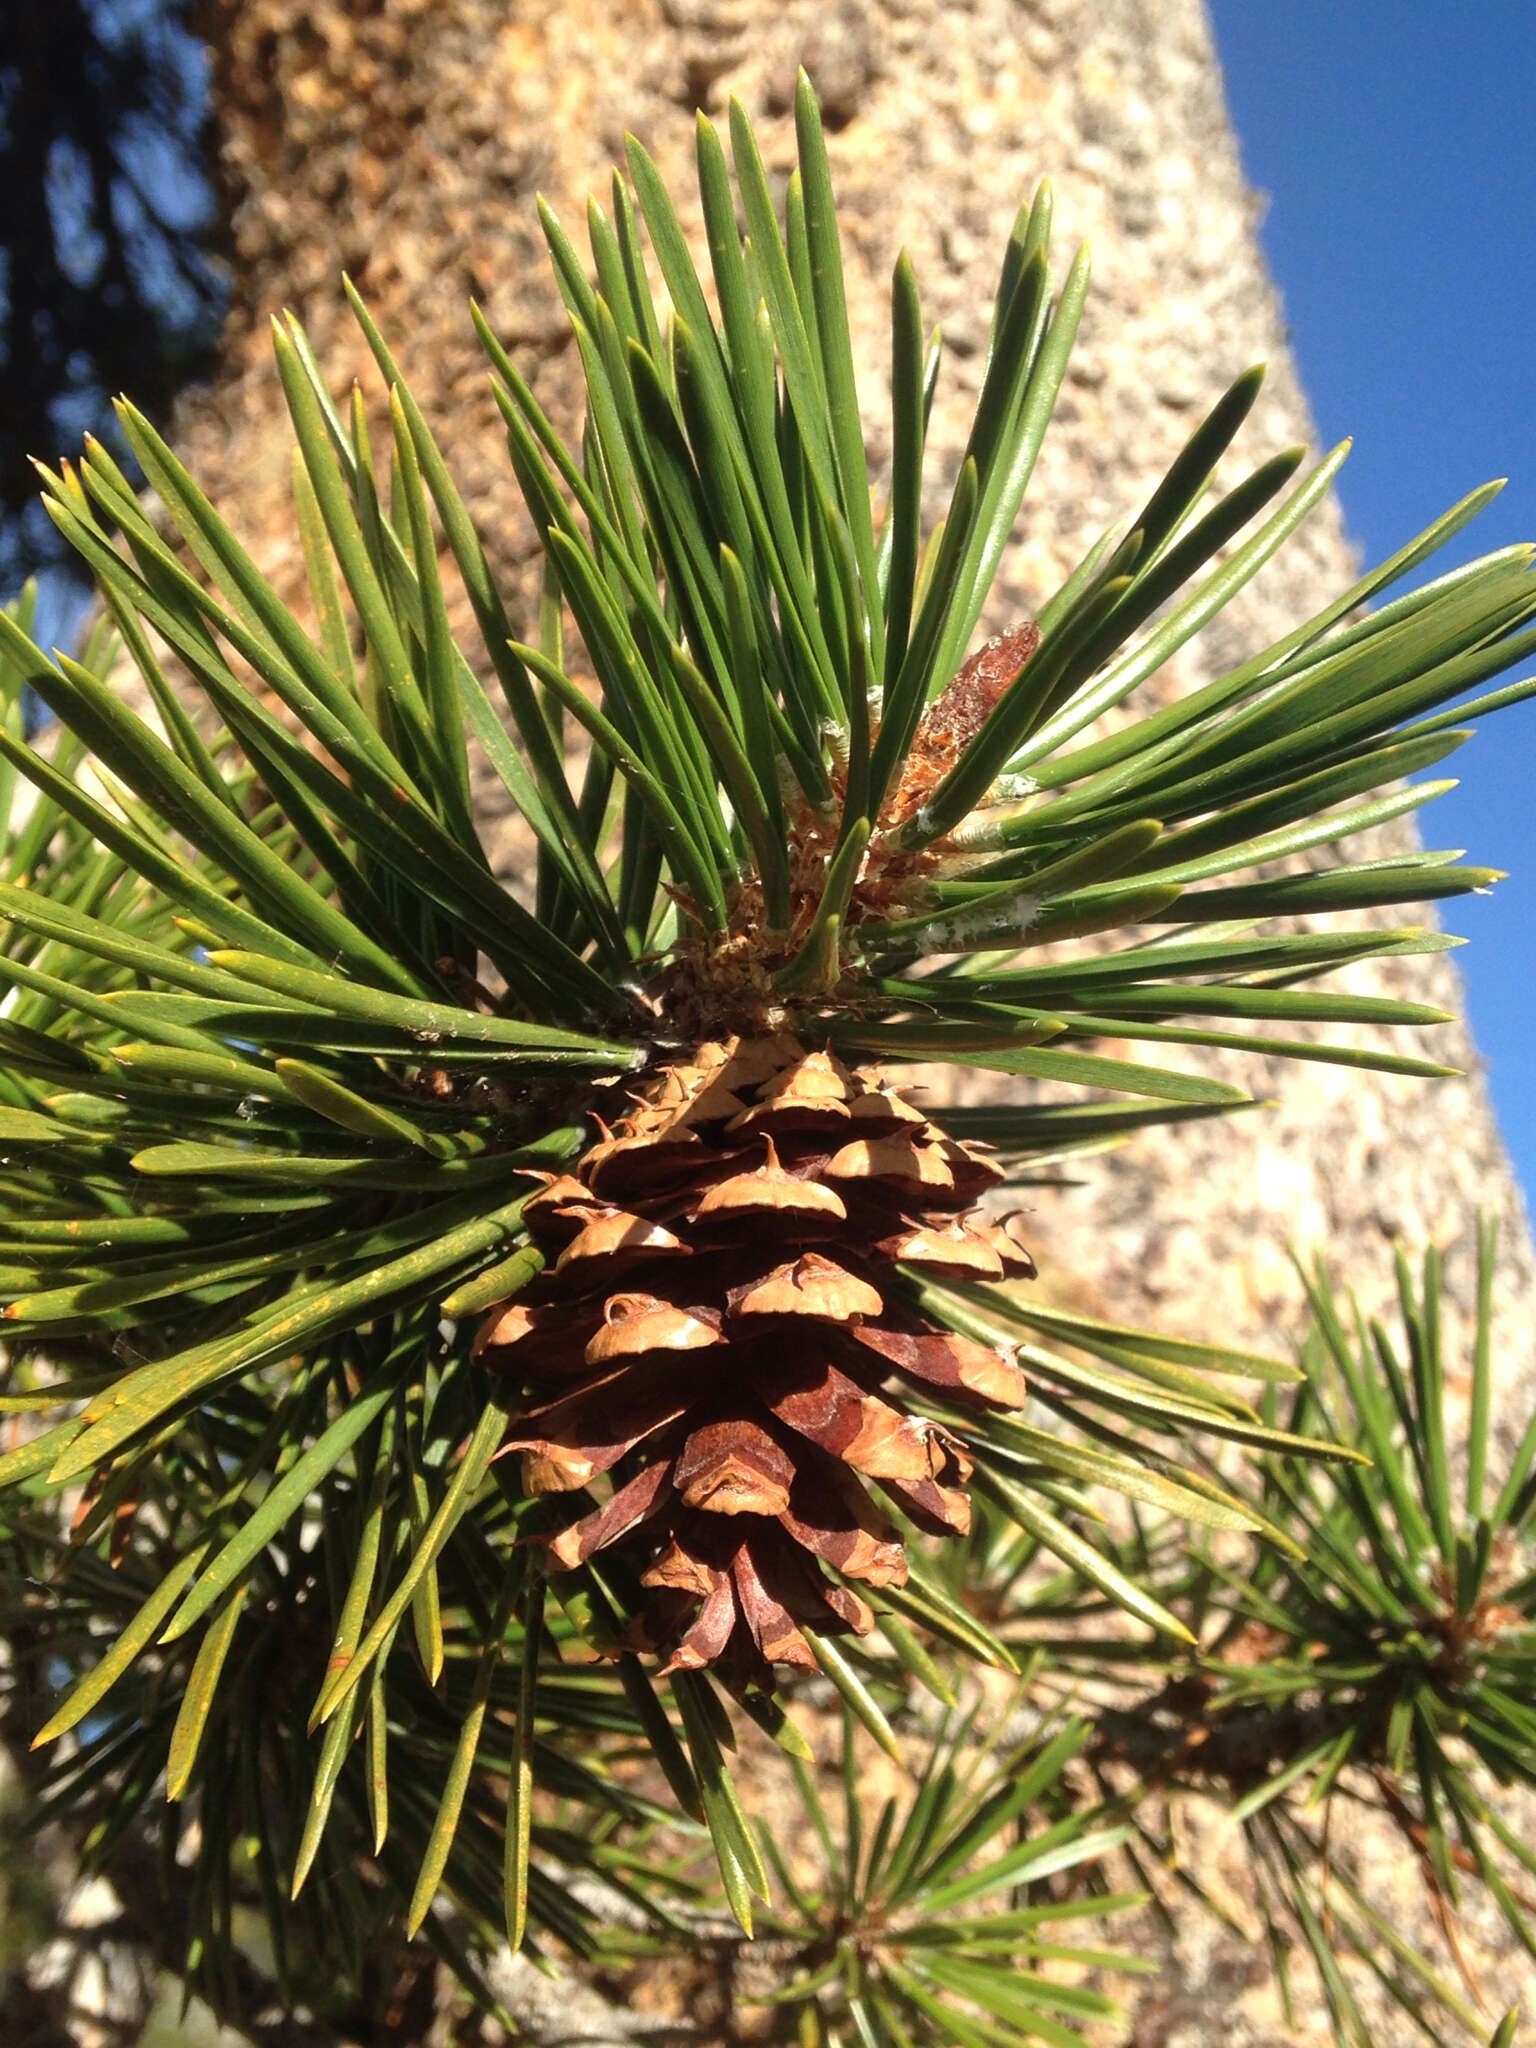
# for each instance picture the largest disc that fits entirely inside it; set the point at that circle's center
(483, 1332)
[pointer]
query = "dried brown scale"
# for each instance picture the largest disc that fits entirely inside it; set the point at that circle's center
(955, 717)
(714, 1353)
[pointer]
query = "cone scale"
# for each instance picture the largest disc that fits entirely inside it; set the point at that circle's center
(720, 1354)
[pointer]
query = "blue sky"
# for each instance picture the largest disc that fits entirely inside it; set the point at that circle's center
(1394, 141)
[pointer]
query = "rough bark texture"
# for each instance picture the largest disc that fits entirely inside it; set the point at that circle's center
(403, 141)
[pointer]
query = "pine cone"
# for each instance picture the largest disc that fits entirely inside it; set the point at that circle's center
(715, 1331)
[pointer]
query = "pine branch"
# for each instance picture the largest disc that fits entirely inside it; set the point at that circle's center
(336, 1173)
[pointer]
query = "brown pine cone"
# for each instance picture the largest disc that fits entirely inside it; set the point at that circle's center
(716, 1333)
